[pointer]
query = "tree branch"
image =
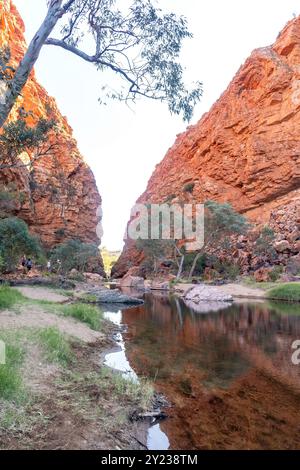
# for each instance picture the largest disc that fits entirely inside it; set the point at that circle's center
(94, 59)
(70, 48)
(68, 5)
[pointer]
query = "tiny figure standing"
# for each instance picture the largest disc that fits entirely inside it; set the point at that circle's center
(29, 264)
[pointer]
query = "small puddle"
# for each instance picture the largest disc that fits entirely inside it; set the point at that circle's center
(157, 439)
(117, 360)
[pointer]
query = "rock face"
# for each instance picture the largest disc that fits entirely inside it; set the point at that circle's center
(246, 149)
(59, 194)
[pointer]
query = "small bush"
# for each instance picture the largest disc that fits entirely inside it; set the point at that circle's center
(263, 246)
(9, 297)
(15, 240)
(60, 232)
(228, 270)
(289, 292)
(77, 276)
(200, 266)
(189, 187)
(275, 274)
(86, 314)
(73, 254)
(57, 348)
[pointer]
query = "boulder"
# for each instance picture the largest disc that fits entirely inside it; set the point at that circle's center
(160, 285)
(93, 277)
(296, 246)
(114, 296)
(262, 274)
(134, 271)
(135, 282)
(204, 293)
(282, 246)
(293, 265)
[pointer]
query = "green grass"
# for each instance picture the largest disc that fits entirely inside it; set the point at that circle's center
(9, 297)
(112, 386)
(85, 313)
(284, 308)
(289, 292)
(11, 386)
(251, 282)
(67, 293)
(55, 345)
(140, 392)
(88, 298)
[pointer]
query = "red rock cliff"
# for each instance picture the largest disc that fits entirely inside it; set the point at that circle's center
(60, 196)
(246, 149)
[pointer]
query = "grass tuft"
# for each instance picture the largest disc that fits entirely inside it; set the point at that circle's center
(56, 346)
(289, 292)
(141, 392)
(11, 386)
(86, 314)
(9, 297)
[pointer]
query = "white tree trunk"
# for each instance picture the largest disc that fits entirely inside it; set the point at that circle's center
(194, 264)
(180, 268)
(10, 93)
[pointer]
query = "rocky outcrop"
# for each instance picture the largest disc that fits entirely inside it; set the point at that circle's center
(59, 193)
(245, 150)
(113, 296)
(135, 282)
(204, 293)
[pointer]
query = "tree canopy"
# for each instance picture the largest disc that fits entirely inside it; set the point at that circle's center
(74, 254)
(17, 137)
(135, 40)
(15, 241)
(221, 222)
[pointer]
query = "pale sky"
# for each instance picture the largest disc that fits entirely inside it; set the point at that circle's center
(123, 145)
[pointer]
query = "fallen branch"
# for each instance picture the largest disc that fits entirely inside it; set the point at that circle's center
(157, 415)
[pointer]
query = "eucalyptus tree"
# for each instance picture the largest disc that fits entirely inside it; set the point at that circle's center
(134, 39)
(221, 223)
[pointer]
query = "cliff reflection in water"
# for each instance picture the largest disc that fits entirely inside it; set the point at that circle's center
(225, 371)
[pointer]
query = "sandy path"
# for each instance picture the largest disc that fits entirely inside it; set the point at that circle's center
(36, 317)
(41, 293)
(238, 290)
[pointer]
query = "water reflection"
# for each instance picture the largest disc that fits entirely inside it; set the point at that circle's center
(156, 439)
(229, 373)
(117, 360)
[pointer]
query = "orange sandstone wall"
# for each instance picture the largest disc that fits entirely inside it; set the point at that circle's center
(246, 149)
(60, 193)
